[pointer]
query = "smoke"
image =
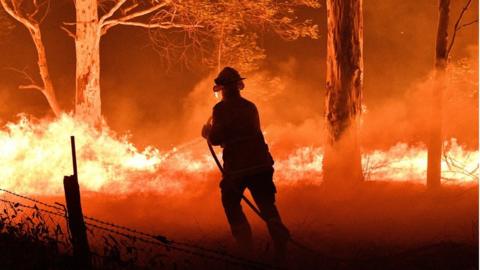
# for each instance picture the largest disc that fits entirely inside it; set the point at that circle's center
(290, 109)
(406, 118)
(149, 169)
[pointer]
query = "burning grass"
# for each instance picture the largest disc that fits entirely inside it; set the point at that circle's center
(35, 155)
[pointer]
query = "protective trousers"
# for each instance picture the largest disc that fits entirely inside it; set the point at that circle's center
(263, 191)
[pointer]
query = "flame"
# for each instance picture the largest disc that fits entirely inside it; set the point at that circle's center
(34, 157)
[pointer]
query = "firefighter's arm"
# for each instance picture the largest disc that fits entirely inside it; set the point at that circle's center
(216, 136)
(206, 129)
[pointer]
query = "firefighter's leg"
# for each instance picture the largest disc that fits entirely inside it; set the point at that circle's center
(231, 197)
(263, 192)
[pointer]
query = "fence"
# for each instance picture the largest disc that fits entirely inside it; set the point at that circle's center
(117, 240)
(66, 225)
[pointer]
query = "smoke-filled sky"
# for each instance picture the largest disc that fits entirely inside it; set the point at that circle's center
(165, 107)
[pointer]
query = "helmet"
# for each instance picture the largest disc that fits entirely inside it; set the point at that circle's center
(227, 76)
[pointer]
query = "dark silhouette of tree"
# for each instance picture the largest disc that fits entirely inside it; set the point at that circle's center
(342, 160)
(442, 51)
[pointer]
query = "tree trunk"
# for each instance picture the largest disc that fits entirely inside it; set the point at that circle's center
(87, 47)
(342, 160)
(48, 90)
(441, 58)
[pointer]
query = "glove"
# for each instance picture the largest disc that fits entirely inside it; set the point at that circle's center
(206, 130)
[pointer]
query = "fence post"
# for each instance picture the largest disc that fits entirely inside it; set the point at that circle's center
(81, 250)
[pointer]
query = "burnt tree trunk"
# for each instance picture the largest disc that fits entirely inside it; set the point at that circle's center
(441, 59)
(342, 160)
(87, 48)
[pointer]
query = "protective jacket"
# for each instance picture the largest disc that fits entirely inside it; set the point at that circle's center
(236, 128)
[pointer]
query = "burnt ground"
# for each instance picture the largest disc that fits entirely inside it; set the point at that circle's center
(379, 225)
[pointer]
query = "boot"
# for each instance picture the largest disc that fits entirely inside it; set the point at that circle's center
(280, 254)
(243, 238)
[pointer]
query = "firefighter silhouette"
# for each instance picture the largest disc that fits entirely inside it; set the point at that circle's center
(247, 162)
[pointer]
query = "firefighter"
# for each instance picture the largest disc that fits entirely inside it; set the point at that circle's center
(247, 163)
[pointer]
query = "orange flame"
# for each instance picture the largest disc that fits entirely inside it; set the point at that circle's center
(34, 157)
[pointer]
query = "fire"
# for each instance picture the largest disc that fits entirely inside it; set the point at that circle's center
(34, 157)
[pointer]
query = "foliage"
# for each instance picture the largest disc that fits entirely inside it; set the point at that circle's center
(236, 26)
(31, 240)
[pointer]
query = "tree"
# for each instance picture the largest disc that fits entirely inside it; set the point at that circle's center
(342, 160)
(30, 15)
(93, 20)
(227, 23)
(442, 51)
(435, 141)
(235, 27)
(90, 27)
(231, 25)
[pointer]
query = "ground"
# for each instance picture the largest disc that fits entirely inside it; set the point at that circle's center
(378, 225)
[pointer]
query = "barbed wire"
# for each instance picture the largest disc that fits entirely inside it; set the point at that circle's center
(34, 207)
(166, 241)
(160, 239)
(220, 258)
(32, 199)
(184, 250)
(170, 244)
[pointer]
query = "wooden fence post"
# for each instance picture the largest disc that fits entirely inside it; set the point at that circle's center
(81, 250)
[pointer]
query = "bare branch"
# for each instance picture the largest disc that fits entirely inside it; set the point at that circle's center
(457, 27)
(31, 86)
(467, 24)
(112, 11)
(31, 82)
(166, 25)
(130, 8)
(46, 12)
(23, 73)
(12, 10)
(131, 16)
(69, 33)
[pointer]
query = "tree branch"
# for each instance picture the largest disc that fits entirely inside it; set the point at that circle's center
(467, 24)
(130, 8)
(46, 12)
(167, 25)
(31, 82)
(13, 12)
(69, 33)
(32, 86)
(457, 27)
(128, 17)
(112, 11)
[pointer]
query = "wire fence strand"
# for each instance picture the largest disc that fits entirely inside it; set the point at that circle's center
(159, 240)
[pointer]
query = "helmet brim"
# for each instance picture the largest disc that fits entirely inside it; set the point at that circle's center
(218, 86)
